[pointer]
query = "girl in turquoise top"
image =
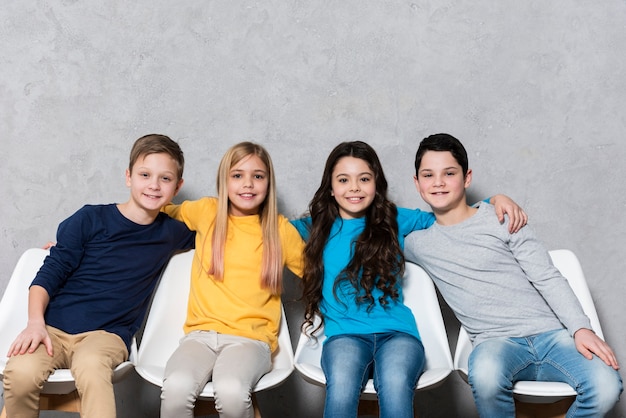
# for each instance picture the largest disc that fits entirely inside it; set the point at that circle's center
(353, 265)
(352, 280)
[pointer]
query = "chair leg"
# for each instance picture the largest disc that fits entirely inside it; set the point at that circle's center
(207, 407)
(255, 405)
(368, 407)
(543, 410)
(204, 407)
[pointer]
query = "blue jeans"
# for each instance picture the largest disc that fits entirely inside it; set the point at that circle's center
(396, 360)
(495, 365)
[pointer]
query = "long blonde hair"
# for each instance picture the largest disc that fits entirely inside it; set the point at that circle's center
(272, 263)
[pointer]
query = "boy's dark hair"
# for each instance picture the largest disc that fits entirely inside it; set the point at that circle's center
(155, 144)
(442, 142)
(377, 261)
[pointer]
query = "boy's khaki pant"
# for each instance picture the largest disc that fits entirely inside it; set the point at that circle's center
(91, 357)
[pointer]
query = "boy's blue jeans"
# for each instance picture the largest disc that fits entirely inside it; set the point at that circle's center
(495, 365)
(396, 359)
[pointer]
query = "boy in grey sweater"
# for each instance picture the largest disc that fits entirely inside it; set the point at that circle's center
(522, 316)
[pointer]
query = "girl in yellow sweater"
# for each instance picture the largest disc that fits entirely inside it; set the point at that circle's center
(233, 314)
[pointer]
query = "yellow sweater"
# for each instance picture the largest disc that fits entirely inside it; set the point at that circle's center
(238, 305)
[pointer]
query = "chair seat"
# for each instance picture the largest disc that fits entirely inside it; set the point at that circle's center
(154, 374)
(314, 374)
(61, 381)
(311, 373)
(541, 392)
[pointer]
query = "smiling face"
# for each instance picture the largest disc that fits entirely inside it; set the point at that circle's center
(440, 181)
(353, 186)
(247, 186)
(153, 183)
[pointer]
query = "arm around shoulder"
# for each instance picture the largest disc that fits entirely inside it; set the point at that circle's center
(504, 204)
(293, 248)
(193, 212)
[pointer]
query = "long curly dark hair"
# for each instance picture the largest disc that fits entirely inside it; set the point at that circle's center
(378, 261)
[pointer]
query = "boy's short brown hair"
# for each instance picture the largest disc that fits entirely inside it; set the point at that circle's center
(154, 144)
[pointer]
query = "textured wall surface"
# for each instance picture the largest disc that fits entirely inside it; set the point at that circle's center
(536, 90)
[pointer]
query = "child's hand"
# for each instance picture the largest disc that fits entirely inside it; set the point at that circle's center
(48, 245)
(588, 343)
(517, 217)
(29, 339)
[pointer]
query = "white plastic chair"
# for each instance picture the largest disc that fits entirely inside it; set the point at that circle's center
(59, 391)
(164, 329)
(533, 391)
(419, 295)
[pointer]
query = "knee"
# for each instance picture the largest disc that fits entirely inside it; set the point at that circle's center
(486, 386)
(233, 397)
(394, 382)
(178, 395)
(608, 395)
(603, 388)
(343, 389)
(177, 386)
(21, 377)
(488, 377)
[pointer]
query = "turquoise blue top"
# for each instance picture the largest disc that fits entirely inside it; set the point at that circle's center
(342, 315)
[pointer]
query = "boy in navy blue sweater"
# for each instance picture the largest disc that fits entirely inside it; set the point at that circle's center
(91, 294)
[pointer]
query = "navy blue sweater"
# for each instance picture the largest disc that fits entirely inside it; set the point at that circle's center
(101, 273)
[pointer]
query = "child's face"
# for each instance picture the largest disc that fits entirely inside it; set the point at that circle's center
(247, 186)
(153, 181)
(353, 186)
(440, 181)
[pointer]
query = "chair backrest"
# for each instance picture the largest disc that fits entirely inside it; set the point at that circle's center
(164, 329)
(420, 296)
(166, 317)
(569, 266)
(14, 303)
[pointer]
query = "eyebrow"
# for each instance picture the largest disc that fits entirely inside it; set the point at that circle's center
(236, 170)
(452, 167)
(364, 173)
(143, 168)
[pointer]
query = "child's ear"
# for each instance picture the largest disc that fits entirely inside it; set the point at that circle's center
(468, 178)
(127, 175)
(417, 183)
(178, 186)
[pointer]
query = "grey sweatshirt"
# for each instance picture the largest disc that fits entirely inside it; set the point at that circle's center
(498, 284)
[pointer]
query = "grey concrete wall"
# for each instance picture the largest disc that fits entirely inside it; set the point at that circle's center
(535, 89)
